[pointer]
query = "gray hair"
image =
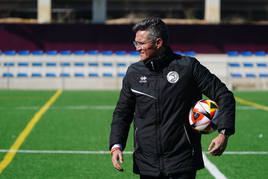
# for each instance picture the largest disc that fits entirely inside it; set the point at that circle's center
(156, 27)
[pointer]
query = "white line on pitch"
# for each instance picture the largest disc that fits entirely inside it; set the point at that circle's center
(245, 153)
(247, 108)
(60, 151)
(210, 166)
(63, 107)
(213, 170)
(107, 152)
(103, 107)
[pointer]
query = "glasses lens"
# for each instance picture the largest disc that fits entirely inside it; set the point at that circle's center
(138, 44)
(135, 43)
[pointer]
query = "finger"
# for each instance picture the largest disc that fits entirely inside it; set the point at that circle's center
(215, 149)
(115, 161)
(211, 145)
(117, 166)
(121, 158)
(221, 150)
(214, 153)
(217, 153)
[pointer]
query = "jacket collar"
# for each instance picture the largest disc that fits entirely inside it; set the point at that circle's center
(157, 63)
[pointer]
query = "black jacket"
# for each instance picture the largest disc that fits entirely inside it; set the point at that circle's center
(159, 92)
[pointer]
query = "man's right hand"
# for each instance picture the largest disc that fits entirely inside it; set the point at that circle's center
(117, 155)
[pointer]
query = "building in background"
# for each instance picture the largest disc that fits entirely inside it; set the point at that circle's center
(126, 11)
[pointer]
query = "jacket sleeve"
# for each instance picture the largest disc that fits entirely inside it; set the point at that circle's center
(122, 116)
(211, 86)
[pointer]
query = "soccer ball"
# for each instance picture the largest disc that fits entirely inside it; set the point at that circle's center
(203, 116)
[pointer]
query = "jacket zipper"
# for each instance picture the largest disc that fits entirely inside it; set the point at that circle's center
(158, 130)
(152, 63)
(188, 139)
(136, 140)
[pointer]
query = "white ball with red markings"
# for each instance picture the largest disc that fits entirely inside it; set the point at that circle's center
(203, 116)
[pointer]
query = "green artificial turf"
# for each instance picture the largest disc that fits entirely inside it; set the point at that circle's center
(80, 121)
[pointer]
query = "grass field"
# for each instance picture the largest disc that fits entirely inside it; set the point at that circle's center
(67, 140)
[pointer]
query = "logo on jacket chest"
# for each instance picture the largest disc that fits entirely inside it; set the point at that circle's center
(173, 77)
(143, 79)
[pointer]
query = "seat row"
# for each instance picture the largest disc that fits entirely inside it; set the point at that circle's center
(246, 53)
(247, 64)
(119, 52)
(67, 52)
(249, 75)
(53, 75)
(64, 64)
(80, 52)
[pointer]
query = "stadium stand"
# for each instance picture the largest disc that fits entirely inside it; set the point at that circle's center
(36, 75)
(38, 52)
(232, 53)
(92, 69)
(7, 74)
(246, 53)
(246, 69)
(37, 64)
(79, 74)
(49, 75)
(52, 52)
(10, 52)
(189, 53)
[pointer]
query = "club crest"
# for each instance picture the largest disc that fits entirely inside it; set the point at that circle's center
(172, 77)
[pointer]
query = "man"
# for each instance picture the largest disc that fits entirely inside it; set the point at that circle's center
(159, 91)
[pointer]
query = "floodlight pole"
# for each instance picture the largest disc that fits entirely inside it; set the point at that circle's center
(213, 11)
(44, 11)
(99, 11)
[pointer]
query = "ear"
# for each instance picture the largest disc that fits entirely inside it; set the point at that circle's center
(159, 43)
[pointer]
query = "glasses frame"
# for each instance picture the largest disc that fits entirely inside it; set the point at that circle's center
(140, 44)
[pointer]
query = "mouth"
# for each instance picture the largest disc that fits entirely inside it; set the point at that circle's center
(142, 56)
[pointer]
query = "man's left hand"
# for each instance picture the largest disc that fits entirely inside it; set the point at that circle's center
(218, 145)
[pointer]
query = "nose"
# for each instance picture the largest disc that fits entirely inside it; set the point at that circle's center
(138, 48)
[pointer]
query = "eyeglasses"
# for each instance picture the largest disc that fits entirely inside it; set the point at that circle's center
(139, 44)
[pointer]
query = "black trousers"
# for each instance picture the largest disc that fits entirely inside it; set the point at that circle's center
(185, 175)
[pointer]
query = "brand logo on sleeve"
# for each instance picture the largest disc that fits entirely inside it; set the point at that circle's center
(172, 77)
